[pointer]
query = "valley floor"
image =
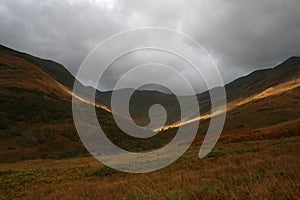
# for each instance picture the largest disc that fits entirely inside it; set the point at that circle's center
(253, 169)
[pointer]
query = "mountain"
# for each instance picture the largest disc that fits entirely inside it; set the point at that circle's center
(261, 80)
(240, 89)
(26, 90)
(264, 98)
(263, 95)
(36, 112)
(35, 108)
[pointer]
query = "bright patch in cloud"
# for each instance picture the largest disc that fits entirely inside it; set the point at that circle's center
(105, 3)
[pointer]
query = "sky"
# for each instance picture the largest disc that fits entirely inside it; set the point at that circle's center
(239, 35)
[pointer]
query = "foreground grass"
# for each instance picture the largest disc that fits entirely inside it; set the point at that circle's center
(259, 169)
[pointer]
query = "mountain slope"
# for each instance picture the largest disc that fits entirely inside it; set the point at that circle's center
(239, 92)
(36, 113)
(28, 92)
(261, 80)
(265, 97)
(35, 109)
(262, 98)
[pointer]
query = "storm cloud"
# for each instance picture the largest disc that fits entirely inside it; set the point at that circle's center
(240, 36)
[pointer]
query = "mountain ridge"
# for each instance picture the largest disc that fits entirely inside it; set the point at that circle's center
(36, 118)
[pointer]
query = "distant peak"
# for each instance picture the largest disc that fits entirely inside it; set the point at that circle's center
(292, 61)
(293, 58)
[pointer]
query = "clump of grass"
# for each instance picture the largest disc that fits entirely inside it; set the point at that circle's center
(245, 179)
(101, 172)
(283, 142)
(174, 195)
(68, 154)
(210, 190)
(288, 175)
(138, 194)
(229, 152)
(13, 183)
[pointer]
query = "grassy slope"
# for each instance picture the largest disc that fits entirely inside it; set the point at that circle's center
(36, 109)
(36, 113)
(264, 165)
(253, 169)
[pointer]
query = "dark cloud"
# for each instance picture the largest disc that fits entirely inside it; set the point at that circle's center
(61, 30)
(239, 35)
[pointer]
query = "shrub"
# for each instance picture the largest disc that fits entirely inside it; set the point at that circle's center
(29, 138)
(102, 171)
(68, 154)
(4, 122)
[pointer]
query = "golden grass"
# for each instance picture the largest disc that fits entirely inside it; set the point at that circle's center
(273, 91)
(255, 161)
(258, 169)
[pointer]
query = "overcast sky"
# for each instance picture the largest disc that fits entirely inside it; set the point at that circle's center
(240, 35)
